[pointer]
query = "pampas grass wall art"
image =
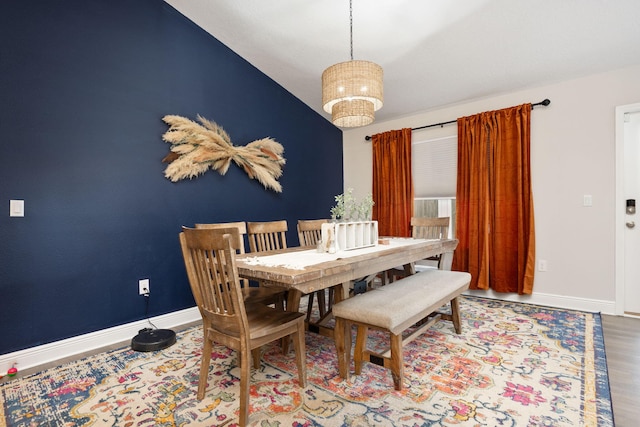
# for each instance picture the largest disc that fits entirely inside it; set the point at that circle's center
(196, 147)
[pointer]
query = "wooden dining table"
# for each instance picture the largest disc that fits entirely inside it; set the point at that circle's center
(304, 270)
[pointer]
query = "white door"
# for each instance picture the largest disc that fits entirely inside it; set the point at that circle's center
(628, 210)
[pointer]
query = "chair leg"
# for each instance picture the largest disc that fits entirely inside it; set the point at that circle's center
(392, 276)
(245, 382)
(397, 366)
(455, 315)
(204, 366)
(255, 353)
(301, 355)
(384, 278)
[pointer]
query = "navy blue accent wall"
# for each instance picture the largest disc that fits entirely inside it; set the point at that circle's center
(83, 87)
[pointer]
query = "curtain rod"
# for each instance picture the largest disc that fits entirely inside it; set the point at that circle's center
(543, 103)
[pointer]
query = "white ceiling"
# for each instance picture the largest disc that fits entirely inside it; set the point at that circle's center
(433, 52)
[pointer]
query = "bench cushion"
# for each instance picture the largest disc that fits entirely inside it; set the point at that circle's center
(400, 304)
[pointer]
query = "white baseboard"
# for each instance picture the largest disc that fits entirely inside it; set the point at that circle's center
(550, 300)
(36, 356)
(43, 354)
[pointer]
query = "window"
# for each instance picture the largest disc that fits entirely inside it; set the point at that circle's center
(437, 208)
(434, 165)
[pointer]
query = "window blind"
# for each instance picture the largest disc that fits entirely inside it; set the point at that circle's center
(434, 165)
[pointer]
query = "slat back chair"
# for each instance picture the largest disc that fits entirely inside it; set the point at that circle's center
(242, 230)
(240, 225)
(267, 236)
(209, 258)
(259, 294)
(430, 228)
(310, 231)
(424, 228)
(309, 234)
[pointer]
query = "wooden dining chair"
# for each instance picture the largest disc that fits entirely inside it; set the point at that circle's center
(209, 258)
(309, 234)
(310, 231)
(430, 228)
(261, 294)
(424, 228)
(267, 236)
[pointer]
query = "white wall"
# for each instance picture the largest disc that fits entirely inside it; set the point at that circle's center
(572, 154)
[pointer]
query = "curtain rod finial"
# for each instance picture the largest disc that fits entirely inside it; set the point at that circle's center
(544, 103)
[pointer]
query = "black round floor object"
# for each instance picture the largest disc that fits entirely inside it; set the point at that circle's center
(153, 339)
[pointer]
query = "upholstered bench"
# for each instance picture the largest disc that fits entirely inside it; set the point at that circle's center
(394, 308)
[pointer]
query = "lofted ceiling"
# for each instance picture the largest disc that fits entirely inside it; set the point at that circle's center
(433, 52)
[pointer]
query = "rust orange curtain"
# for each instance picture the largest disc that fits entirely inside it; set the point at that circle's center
(494, 201)
(392, 182)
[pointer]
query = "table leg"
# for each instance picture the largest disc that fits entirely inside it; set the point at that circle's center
(446, 259)
(341, 292)
(293, 300)
(410, 269)
(293, 304)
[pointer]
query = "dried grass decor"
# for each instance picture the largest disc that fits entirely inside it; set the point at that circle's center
(197, 147)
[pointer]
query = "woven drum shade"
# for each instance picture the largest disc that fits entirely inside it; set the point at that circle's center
(356, 112)
(350, 81)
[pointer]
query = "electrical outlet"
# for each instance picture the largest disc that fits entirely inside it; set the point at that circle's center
(542, 265)
(143, 287)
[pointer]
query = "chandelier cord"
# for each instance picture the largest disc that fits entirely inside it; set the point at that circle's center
(351, 25)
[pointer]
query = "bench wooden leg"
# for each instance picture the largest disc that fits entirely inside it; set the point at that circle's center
(397, 366)
(455, 315)
(342, 337)
(361, 348)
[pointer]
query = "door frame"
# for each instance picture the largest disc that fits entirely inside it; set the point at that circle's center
(620, 210)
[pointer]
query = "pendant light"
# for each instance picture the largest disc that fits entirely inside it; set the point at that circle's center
(352, 90)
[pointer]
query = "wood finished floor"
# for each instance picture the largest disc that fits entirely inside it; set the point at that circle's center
(622, 345)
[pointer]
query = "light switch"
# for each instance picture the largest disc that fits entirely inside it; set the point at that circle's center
(587, 200)
(16, 208)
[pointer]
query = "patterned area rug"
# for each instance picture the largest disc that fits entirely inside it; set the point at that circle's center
(513, 365)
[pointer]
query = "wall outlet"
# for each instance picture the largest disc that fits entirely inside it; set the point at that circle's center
(16, 208)
(143, 287)
(542, 265)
